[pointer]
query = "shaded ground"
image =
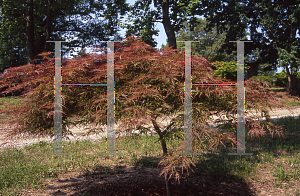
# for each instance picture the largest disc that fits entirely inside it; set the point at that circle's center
(145, 181)
(141, 181)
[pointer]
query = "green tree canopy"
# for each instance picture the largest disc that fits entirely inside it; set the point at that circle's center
(172, 14)
(210, 42)
(56, 21)
(272, 26)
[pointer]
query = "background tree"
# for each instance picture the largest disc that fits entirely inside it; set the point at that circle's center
(30, 31)
(210, 41)
(272, 27)
(54, 20)
(142, 17)
(141, 20)
(11, 39)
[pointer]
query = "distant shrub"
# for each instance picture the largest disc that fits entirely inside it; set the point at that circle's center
(281, 79)
(268, 80)
(226, 70)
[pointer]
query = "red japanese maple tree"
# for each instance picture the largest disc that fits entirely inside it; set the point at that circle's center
(148, 84)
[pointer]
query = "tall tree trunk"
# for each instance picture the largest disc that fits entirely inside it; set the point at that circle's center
(48, 27)
(252, 71)
(288, 77)
(12, 62)
(292, 87)
(30, 31)
(167, 25)
(292, 74)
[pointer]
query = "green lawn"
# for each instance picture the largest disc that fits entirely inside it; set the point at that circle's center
(28, 167)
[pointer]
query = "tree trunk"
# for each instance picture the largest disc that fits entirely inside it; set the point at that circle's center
(292, 75)
(164, 146)
(48, 27)
(292, 87)
(160, 134)
(165, 152)
(167, 25)
(12, 62)
(252, 71)
(168, 185)
(30, 31)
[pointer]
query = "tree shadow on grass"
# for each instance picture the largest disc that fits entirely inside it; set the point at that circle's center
(279, 146)
(143, 180)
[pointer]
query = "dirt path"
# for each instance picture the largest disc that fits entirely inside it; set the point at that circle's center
(79, 132)
(279, 113)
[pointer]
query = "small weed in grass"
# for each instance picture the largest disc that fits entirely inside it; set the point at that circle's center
(101, 169)
(281, 175)
(148, 162)
(20, 170)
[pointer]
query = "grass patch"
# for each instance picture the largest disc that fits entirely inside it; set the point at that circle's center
(6, 102)
(292, 102)
(26, 168)
(278, 88)
(9, 101)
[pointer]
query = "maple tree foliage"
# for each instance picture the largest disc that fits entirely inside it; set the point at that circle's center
(148, 84)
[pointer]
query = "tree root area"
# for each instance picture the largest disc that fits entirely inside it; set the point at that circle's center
(142, 181)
